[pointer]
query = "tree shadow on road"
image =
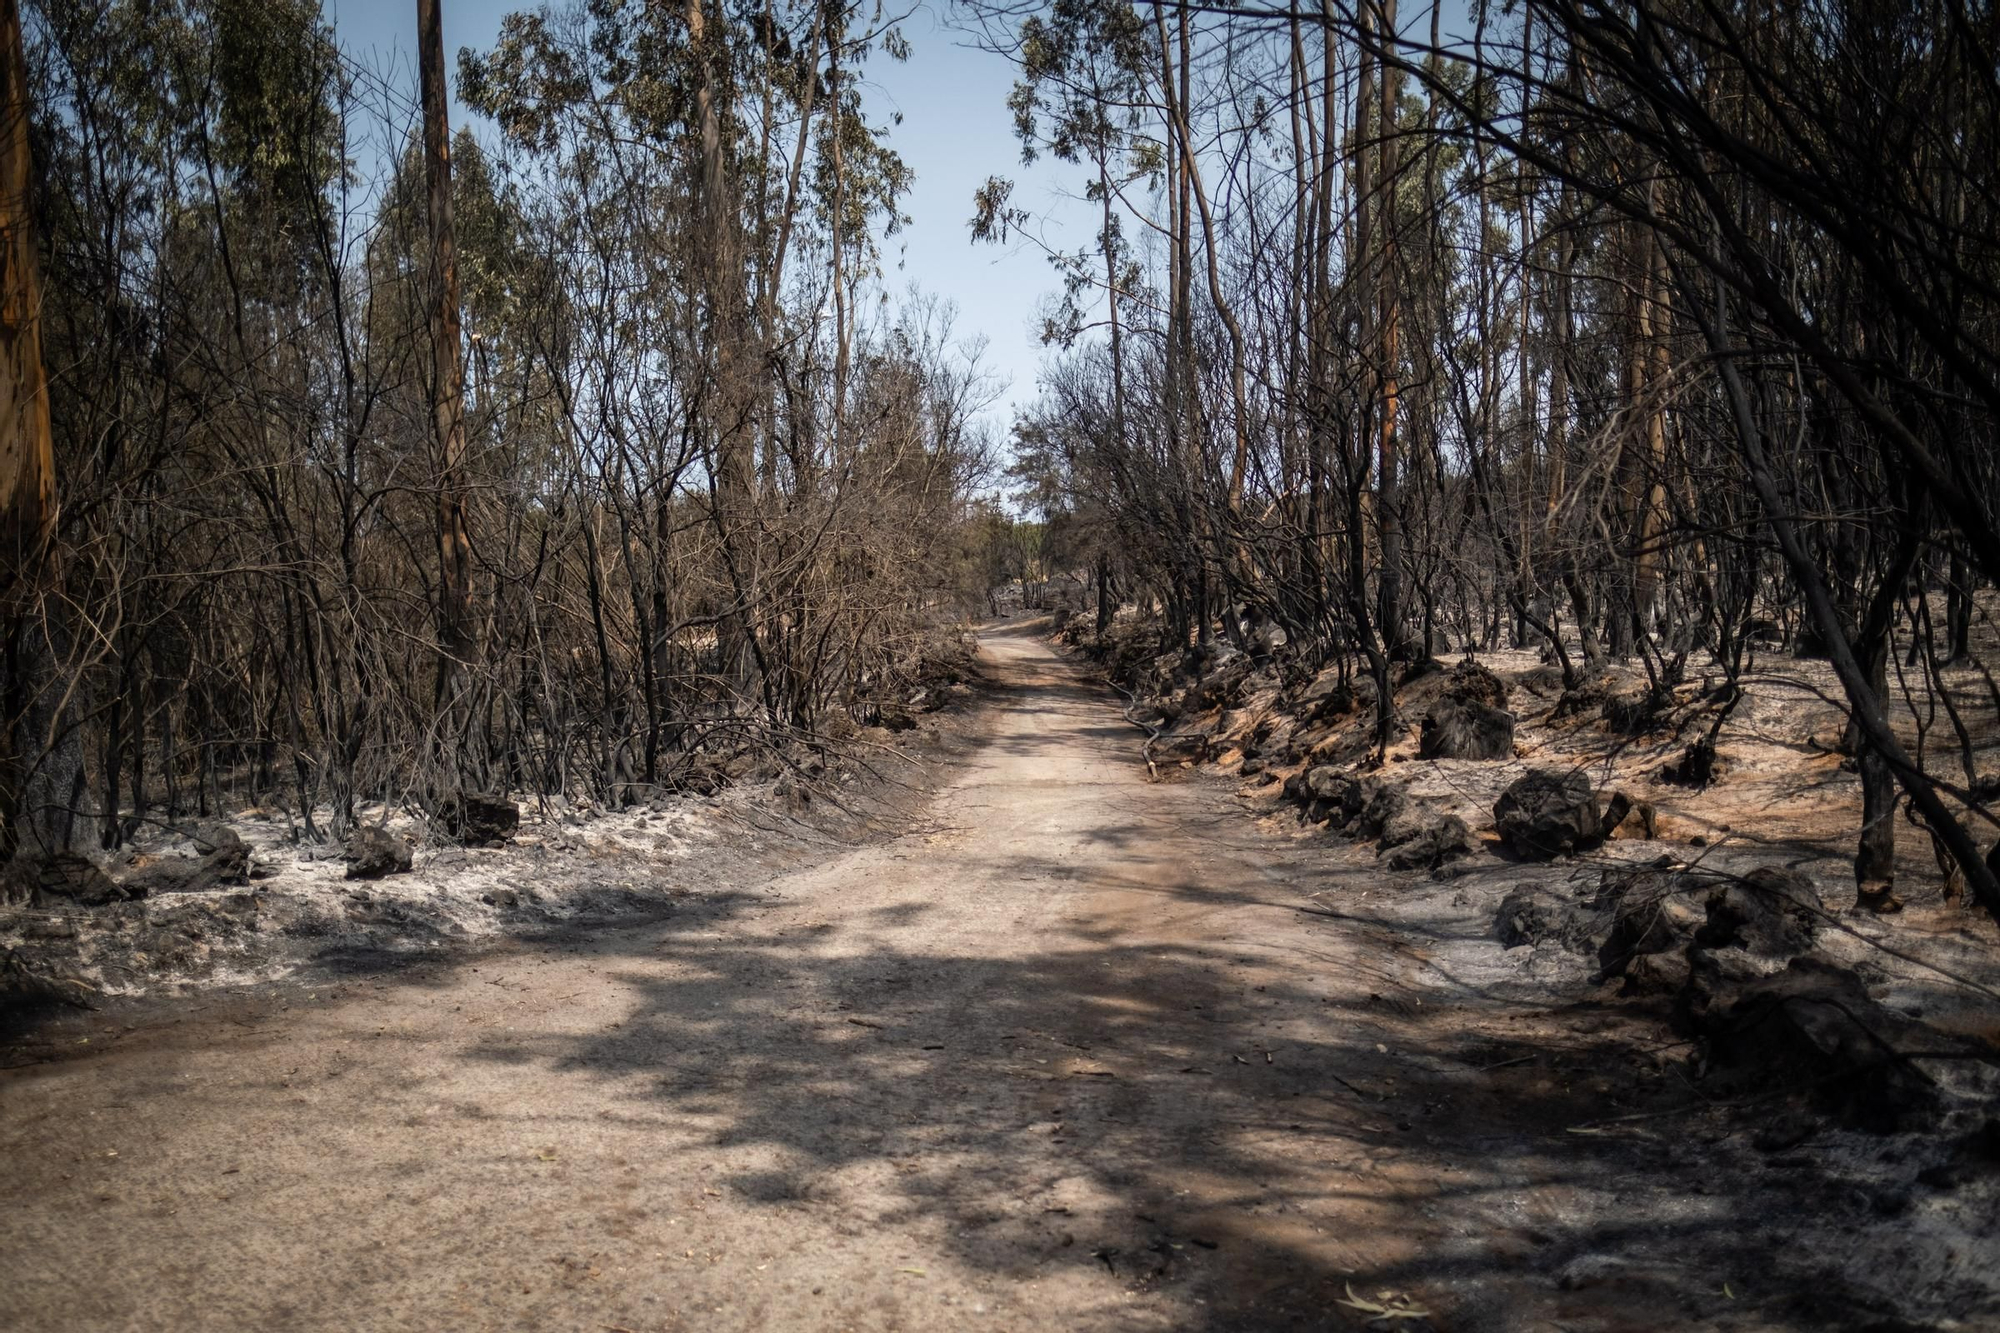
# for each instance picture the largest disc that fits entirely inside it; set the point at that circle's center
(1255, 1141)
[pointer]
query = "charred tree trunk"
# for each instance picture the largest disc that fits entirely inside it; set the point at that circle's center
(456, 634)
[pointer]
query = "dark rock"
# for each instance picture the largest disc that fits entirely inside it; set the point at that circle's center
(62, 878)
(505, 899)
(1381, 801)
(1717, 978)
(1522, 919)
(1548, 813)
(1637, 914)
(1321, 782)
(1811, 1029)
(1752, 927)
(1329, 795)
(1252, 766)
(1359, 807)
(373, 852)
(1424, 839)
(475, 820)
(1466, 729)
(1771, 912)
(1470, 682)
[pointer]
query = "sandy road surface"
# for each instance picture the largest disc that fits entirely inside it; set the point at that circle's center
(1063, 1056)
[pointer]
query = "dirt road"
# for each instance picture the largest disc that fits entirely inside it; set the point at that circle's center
(1066, 1055)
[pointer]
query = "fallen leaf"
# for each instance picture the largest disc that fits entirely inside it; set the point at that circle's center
(1399, 1306)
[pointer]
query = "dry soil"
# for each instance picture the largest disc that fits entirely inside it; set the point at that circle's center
(1075, 1051)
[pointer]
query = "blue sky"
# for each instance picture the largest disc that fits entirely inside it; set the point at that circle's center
(955, 132)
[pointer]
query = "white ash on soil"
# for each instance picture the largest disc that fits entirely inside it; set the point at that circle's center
(569, 865)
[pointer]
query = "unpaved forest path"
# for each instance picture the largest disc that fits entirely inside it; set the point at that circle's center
(1064, 1056)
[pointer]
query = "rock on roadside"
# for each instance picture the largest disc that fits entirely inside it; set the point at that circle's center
(1812, 1030)
(1424, 839)
(476, 819)
(1466, 729)
(374, 852)
(1547, 813)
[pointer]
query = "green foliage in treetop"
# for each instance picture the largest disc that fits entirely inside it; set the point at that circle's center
(240, 94)
(278, 70)
(486, 220)
(1082, 66)
(1084, 71)
(577, 84)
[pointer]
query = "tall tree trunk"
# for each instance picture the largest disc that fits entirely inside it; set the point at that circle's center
(1388, 498)
(38, 755)
(27, 458)
(456, 635)
(721, 280)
